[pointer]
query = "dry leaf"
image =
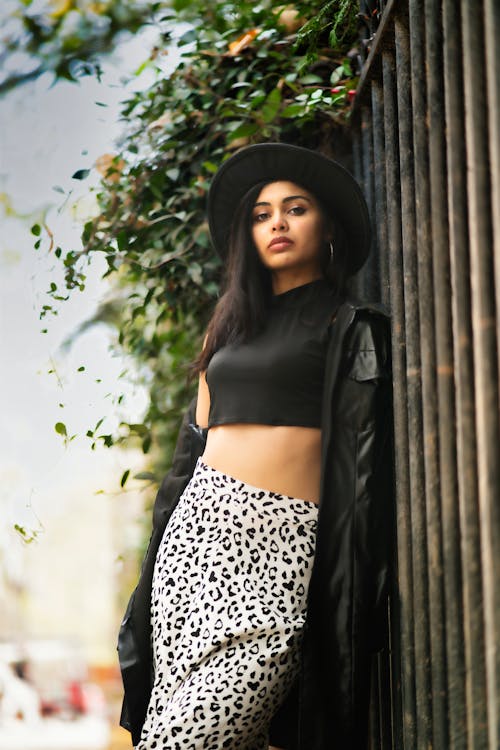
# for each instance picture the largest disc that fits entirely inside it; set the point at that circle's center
(242, 42)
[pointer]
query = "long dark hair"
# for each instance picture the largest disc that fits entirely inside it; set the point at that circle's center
(242, 310)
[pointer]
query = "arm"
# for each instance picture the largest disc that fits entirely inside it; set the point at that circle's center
(203, 402)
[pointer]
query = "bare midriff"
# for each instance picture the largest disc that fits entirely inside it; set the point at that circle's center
(282, 459)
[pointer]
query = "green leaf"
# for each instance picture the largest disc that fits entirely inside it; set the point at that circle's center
(180, 5)
(138, 429)
(122, 240)
(36, 229)
(257, 100)
(308, 79)
(337, 75)
(124, 478)
(293, 110)
(271, 106)
(26, 536)
(80, 174)
(187, 38)
(60, 428)
(145, 475)
(243, 131)
(210, 166)
(347, 68)
(333, 39)
(87, 231)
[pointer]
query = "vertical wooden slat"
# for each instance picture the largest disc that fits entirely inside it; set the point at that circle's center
(492, 29)
(455, 685)
(382, 726)
(370, 270)
(484, 341)
(402, 634)
(414, 388)
(356, 155)
(356, 284)
(475, 668)
(423, 250)
(380, 208)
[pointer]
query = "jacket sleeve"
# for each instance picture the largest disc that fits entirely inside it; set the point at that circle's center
(134, 639)
(363, 409)
(350, 579)
(362, 419)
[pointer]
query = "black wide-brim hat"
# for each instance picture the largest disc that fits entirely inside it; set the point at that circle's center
(325, 178)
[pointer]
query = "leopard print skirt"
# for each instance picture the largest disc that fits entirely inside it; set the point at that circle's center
(228, 609)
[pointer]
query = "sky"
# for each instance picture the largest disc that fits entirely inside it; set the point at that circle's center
(47, 132)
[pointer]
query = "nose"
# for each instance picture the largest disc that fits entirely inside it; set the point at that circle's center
(279, 223)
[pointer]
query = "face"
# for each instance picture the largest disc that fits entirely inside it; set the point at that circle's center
(289, 232)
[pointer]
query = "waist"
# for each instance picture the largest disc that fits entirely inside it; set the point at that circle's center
(281, 459)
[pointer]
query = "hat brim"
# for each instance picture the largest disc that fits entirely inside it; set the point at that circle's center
(325, 178)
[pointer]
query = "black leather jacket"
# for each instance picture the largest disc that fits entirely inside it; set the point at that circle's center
(347, 601)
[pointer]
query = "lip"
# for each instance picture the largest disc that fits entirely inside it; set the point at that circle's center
(280, 242)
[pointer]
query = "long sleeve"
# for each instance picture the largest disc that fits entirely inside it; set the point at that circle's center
(348, 593)
(134, 640)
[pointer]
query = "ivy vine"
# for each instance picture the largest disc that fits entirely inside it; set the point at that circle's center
(248, 73)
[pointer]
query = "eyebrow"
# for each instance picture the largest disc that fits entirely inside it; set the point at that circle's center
(285, 200)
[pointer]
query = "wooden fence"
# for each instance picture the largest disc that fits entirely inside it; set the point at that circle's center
(426, 136)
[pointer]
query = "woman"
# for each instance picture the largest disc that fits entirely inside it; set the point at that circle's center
(270, 578)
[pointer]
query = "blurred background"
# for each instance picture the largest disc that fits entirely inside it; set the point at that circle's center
(69, 533)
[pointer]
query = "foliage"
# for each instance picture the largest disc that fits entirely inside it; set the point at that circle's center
(338, 18)
(62, 36)
(245, 76)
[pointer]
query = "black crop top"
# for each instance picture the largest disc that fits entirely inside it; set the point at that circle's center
(276, 378)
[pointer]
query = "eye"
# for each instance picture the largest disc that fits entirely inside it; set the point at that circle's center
(259, 217)
(297, 210)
